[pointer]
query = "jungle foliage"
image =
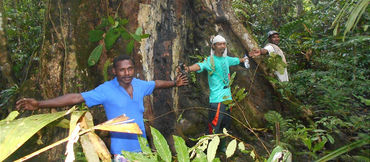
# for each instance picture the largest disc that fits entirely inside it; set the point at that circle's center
(327, 48)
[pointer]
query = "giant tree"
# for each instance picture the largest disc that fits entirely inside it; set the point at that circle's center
(179, 33)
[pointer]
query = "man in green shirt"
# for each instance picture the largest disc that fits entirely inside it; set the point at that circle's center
(217, 65)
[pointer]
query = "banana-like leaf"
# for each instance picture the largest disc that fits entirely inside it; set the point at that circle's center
(15, 133)
(161, 145)
(12, 115)
(181, 149)
(99, 146)
(88, 149)
(212, 148)
(120, 124)
(76, 115)
(93, 142)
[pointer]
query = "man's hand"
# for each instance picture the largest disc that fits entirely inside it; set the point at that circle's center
(27, 104)
(181, 80)
(255, 52)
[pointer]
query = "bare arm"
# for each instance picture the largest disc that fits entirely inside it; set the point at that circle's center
(264, 51)
(65, 100)
(194, 67)
(181, 80)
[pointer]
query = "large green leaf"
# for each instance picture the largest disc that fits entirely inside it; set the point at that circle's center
(161, 145)
(95, 55)
(15, 133)
(212, 148)
(111, 37)
(181, 149)
(95, 35)
(144, 145)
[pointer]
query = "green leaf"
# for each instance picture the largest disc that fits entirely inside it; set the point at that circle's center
(331, 139)
(130, 47)
(200, 157)
(144, 145)
(15, 133)
(241, 146)
(135, 156)
(12, 115)
(103, 24)
(181, 149)
(139, 31)
(110, 38)
(319, 145)
(231, 148)
(63, 123)
(123, 22)
(95, 35)
(161, 145)
(136, 37)
(111, 20)
(212, 148)
(253, 155)
(125, 35)
(95, 55)
(145, 36)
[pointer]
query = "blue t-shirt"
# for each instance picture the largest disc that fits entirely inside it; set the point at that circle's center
(218, 78)
(117, 101)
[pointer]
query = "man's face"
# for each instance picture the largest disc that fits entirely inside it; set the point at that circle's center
(124, 71)
(219, 48)
(275, 39)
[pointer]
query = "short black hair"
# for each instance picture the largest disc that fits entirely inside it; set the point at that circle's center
(121, 58)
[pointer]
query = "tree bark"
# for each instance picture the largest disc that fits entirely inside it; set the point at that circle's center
(5, 64)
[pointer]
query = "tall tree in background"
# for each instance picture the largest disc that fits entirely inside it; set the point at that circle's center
(5, 64)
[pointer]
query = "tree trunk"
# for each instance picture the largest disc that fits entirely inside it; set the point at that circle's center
(179, 32)
(5, 64)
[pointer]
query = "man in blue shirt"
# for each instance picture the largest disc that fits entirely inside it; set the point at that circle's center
(217, 65)
(122, 95)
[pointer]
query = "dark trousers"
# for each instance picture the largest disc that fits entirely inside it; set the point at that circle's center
(217, 118)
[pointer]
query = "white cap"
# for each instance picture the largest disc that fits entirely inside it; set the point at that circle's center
(218, 39)
(272, 32)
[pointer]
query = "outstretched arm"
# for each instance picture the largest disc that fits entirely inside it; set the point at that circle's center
(194, 67)
(65, 100)
(181, 80)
